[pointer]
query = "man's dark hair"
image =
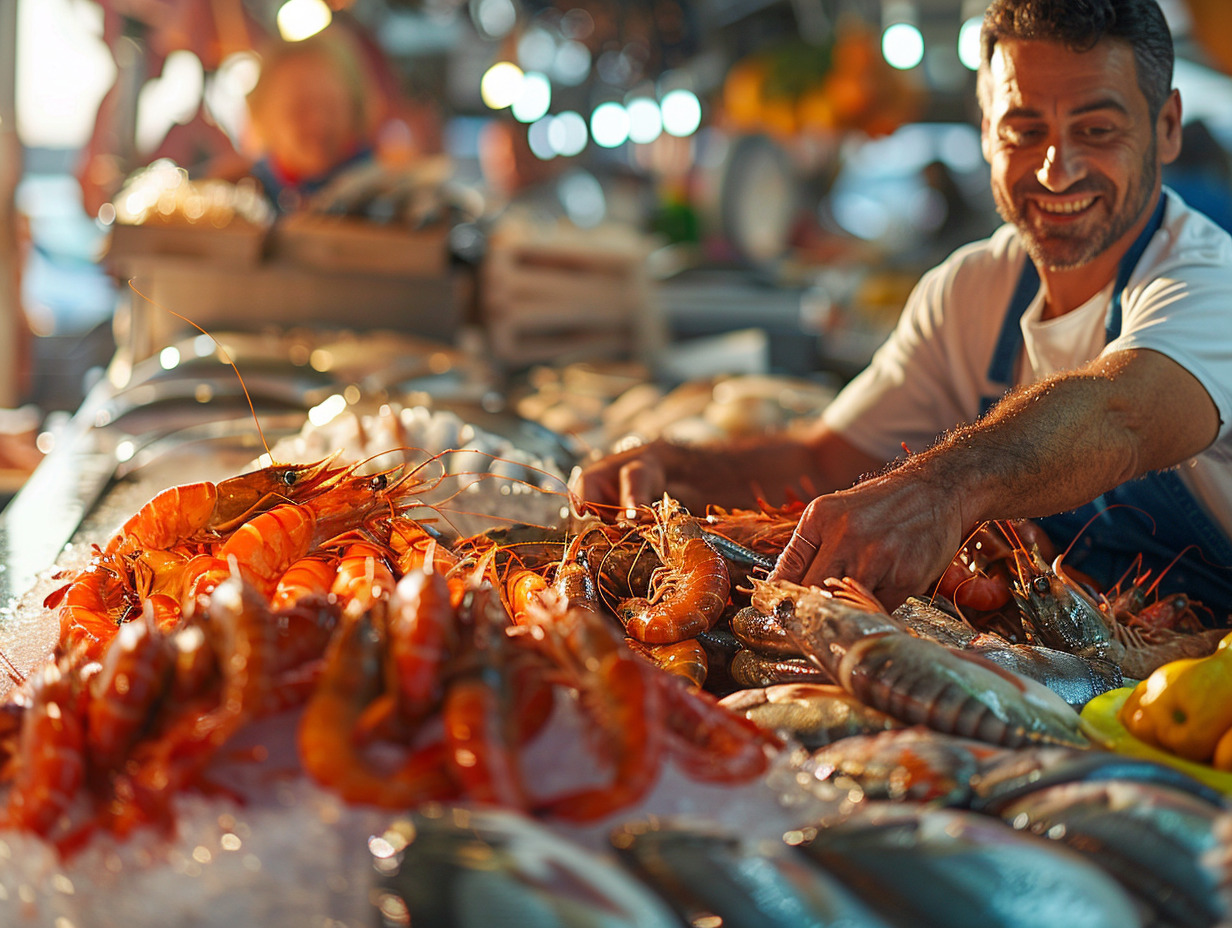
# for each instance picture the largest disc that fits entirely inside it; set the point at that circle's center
(1080, 25)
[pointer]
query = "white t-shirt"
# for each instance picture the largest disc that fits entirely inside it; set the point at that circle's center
(932, 372)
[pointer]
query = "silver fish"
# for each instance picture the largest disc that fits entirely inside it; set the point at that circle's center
(462, 866)
(738, 883)
(1153, 839)
(949, 868)
(815, 714)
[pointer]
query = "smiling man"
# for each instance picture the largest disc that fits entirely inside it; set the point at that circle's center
(1077, 365)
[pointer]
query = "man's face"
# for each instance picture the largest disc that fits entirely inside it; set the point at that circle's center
(1075, 155)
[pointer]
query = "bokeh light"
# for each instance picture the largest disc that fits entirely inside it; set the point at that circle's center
(501, 85)
(300, 19)
(682, 113)
(494, 18)
(609, 125)
(535, 99)
(645, 120)
(969, 42)
(567, 134)
(571, 64)
(537, 139)
(902, 46)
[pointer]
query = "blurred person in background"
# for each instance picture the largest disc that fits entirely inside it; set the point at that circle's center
(513, 175)
(1064, 367)
(335, 132)
(312, 116)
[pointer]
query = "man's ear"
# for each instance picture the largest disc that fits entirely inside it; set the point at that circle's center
(1168, 128)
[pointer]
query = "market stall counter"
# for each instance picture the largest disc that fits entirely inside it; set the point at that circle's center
(458, 680)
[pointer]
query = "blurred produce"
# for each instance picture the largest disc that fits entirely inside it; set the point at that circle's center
(800, 88)
(1185, 707)
(1212, 29)
(162, 194)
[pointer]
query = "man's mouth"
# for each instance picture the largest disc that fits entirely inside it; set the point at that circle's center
(1064, 207)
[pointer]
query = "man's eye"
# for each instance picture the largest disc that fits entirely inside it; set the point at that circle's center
(1021, 136)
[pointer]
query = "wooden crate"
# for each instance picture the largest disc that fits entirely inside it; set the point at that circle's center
(326, 274)
(238, 243)
(353, 246)
(561, 294)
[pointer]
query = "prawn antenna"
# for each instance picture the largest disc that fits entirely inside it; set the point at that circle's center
(222, 353)
(1171, 564)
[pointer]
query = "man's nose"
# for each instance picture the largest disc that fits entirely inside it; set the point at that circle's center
(1063, 165)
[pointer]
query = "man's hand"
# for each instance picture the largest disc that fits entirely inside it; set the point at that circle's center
(734, 475)
(895, 534)
(1046, 448)
(625, 480)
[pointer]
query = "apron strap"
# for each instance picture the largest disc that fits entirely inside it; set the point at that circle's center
(1112, 323)
(1009, 340)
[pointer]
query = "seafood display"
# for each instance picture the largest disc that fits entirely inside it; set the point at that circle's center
(441, 650)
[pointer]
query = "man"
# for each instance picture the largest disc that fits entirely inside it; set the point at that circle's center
(1103, 306)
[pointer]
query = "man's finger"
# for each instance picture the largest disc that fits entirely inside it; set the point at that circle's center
(795, 559)
(633, 490)
(640, 485)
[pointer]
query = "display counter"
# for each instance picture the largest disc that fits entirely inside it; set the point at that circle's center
(270, 814)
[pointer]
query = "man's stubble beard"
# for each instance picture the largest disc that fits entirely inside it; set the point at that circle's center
(1077, 249)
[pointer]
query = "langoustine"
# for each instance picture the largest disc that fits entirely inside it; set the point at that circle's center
(871, 655)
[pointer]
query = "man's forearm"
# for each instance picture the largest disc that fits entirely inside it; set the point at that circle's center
(1044, 449)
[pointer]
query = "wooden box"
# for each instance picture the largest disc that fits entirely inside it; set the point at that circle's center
(240, 243)
(348, 245)
(562, 294)
(309, 271)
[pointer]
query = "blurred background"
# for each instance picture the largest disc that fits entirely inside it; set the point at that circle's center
(733, 185)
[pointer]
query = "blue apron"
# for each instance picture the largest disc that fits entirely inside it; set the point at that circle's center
(1154, 516)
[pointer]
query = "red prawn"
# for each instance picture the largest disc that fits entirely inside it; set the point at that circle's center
(49, 763)
(620, 697)
(122, 694)
(331, 754)
(690, 592)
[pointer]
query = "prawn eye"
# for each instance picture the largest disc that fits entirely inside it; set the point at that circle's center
(379, 482)
(290, 478)
(1041, 584)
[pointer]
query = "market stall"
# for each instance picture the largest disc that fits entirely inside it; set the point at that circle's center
(702, 765)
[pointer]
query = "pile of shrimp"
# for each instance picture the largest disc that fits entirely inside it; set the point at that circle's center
(303, 589)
